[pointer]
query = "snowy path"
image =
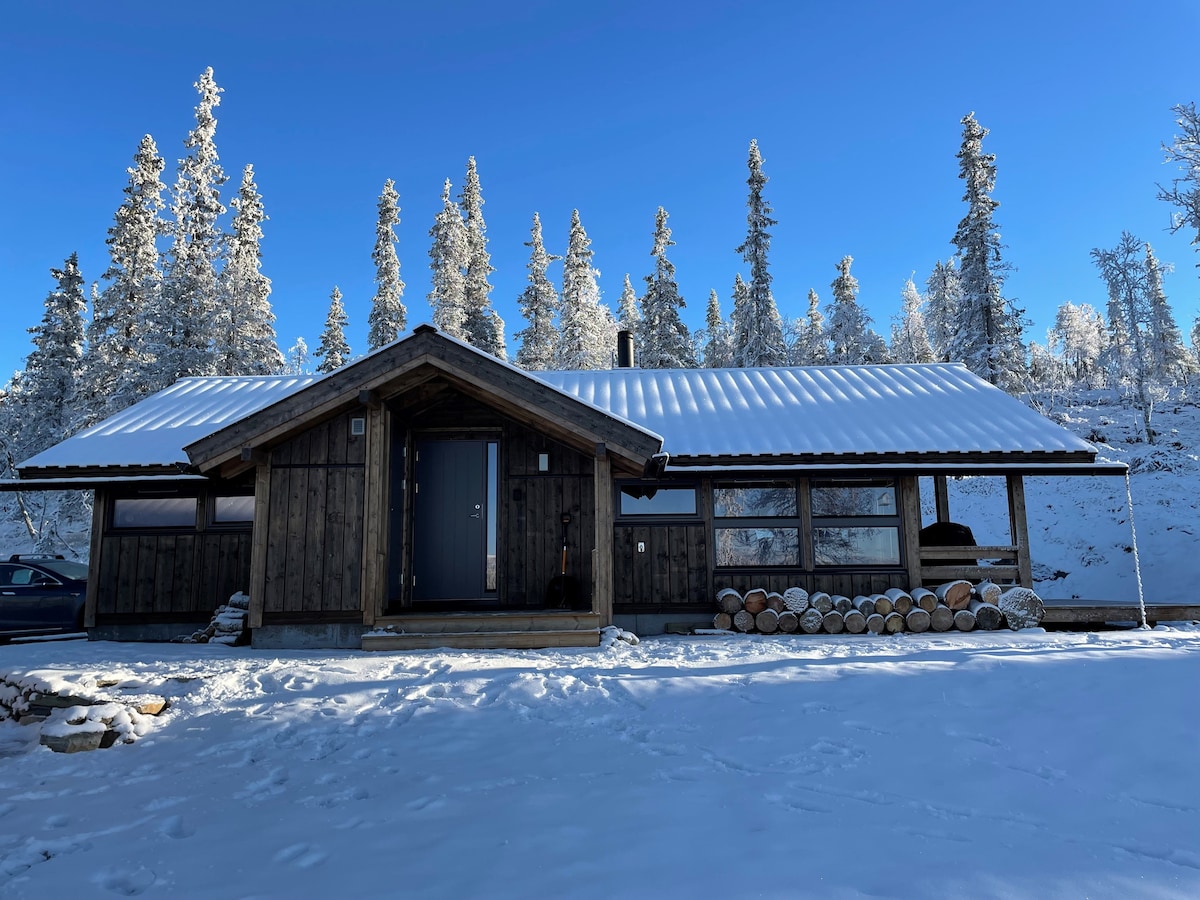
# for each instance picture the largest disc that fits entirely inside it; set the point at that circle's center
(1030, 765)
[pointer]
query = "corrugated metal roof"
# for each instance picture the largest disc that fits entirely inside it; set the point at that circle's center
(820, 410)
(155, 431)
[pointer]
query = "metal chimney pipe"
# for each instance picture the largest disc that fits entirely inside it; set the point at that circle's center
(624, 349)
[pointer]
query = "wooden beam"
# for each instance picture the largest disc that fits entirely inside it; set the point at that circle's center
(1019, 528)
(910, 518)
(941, 498)
(375, 511)
(258, 543)
(368, 398)
(99, 518)
(602, 558)
(252, 455)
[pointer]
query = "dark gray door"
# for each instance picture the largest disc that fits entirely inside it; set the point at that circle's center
(449, 515)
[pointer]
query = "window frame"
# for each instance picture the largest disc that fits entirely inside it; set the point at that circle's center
(634, 518)
(891, 521)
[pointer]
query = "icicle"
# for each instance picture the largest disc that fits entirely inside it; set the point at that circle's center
(1137, 563)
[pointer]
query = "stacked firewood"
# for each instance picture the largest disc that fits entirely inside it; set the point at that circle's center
(955, 605)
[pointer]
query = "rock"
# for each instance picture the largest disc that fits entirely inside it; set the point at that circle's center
(150, 706)
(73, 742)
(58, 701)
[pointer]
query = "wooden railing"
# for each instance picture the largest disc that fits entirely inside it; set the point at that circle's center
(934, 573)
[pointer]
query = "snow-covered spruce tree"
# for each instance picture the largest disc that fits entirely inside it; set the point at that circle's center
(1196, 340)
(182, 336)
(851, 338)
(1184, 191)
(910, 339)
(1079, 338)
(483, 327)
(538, 302)
(388, 317)
(663, 339)
(332, 348)
(943, 298)
(1170, 363)
(246, 344)
(41, 404)
(628, 316)
(809, 345)
(298, 359)
(448, 259)
(718, 346)
(756, 326)
(588, 331)
(988, 330)
(1124, 271)
(116, 360)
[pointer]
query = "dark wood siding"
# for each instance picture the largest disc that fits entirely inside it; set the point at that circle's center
(314, 541)
(168, 574)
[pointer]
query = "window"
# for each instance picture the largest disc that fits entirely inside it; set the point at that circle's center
(855, 522)
(154, 512)
(228, 510)
(757, 523)
(653, 500)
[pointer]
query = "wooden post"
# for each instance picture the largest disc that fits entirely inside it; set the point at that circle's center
(1019, 528)
(258, 542)
(602, 563)
(941, 498)
(375, 508)
(910, 509)
(99, 517)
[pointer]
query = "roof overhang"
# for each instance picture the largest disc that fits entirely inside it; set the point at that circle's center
(407, 363)
(859, 468)
(87, 482)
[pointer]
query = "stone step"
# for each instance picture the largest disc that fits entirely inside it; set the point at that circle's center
(473, 623)
(483, 640)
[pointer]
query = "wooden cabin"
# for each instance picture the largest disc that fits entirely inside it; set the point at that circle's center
(431, 495)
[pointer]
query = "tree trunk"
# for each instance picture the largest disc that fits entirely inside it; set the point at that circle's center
(810, 620)
(988, 592)
(987, 616)
(942, 618)
(775, 602)
(755, 601)
(955, 594)
(883, 604)
(875, 623)
(917, 620)
(841, 604)
(743, 621)
(796, 599)
(729, 601)
(767, 621)
(964, 620)
(788, 622)
(856, 622)
(864, 605)
(902, 601)
(893, 623)
(925, 599)
(723, 621)
(1022, 608)
(833, 622)
(820, 601)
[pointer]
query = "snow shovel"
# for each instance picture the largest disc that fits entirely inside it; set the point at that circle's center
(563, 590)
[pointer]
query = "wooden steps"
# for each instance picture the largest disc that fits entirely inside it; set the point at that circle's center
(484, 631)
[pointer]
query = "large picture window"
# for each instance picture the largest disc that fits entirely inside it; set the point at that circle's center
(855, 523)
(756, 523)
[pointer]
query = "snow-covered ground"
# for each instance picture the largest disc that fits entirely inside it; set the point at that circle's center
(979, 765)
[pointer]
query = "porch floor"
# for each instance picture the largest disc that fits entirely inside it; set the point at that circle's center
(507, 630)
(1075, 611)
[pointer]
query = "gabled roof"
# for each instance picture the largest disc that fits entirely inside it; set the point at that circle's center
(829, 415)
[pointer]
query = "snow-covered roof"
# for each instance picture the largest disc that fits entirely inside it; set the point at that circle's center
(821, 411)
(155, 431)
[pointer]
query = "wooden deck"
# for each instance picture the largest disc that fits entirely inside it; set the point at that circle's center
(1109, 612)
(485, 631)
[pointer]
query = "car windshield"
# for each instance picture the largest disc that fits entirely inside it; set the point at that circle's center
(67, 568)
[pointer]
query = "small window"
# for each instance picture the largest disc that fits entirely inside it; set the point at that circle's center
(757, 546)
(652, 500)
(154, 512)
(227, 510)
(754, 500)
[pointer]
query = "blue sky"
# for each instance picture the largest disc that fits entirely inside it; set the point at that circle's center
(613, 108)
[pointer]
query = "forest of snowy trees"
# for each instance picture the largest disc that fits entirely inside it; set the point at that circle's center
(185, 295)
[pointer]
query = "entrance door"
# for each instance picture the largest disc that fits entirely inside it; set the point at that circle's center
(454, 494)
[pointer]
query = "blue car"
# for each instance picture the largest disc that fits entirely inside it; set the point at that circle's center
(41, 595)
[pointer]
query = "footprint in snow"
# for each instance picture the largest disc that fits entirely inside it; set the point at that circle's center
(59, 821)
(175, 828)
(126, 882)
(303, 856)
